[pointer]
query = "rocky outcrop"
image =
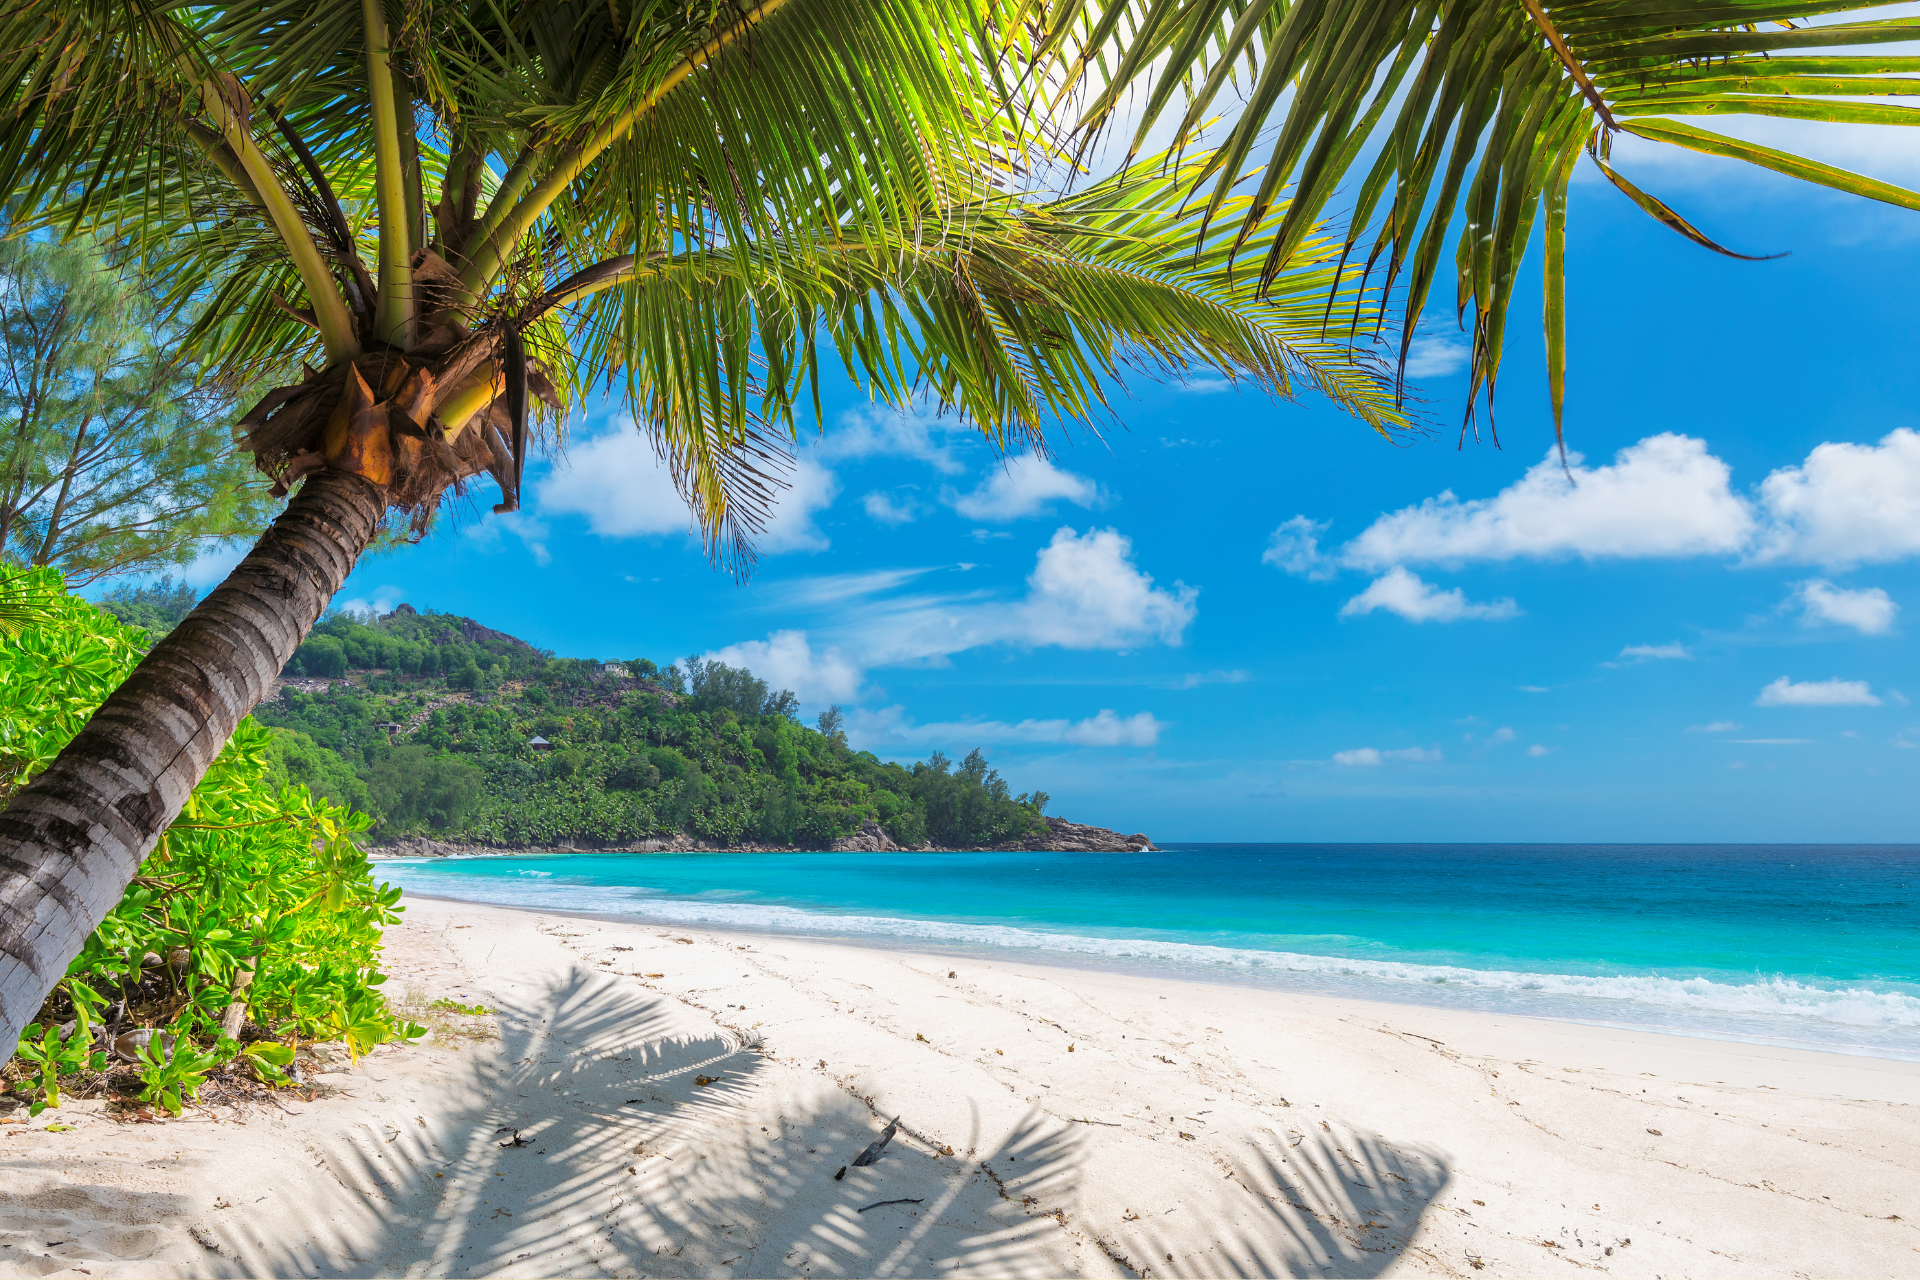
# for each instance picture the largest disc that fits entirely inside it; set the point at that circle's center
(870, 838)
(470, 631)
(422, 847)
(1081, 838)
(1062, 837)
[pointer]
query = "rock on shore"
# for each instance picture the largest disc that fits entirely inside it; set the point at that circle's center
(1062, 836)
(1082, 838)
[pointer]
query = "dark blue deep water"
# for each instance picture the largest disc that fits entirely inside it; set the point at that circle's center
(1811, 945)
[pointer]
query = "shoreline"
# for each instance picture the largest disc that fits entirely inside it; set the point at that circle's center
(1331, 977)
(1065, 964)
(686, 1097)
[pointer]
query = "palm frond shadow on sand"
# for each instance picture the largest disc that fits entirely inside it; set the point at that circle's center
(1332, 1204)
(631, 1166)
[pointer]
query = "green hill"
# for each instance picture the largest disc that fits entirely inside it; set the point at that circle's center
(440, 726)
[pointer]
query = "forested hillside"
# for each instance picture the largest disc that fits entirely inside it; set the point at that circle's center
(437, 725)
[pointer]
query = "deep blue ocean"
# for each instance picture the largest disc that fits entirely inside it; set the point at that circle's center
(1816, 946)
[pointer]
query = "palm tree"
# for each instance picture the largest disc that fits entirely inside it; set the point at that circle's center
(464, 214)
(1466, 118)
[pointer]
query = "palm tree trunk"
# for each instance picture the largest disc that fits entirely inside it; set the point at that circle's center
(71, 841)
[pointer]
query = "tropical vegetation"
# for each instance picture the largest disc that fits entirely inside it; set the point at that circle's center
(253, 926)
(533, 750)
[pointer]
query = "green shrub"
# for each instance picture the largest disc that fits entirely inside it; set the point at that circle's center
(295, 757)
(415, 787)
(566, 763)
(633, 774)
(320, 656)
(253, 881)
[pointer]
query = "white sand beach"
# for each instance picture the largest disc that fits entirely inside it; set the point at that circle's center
(686, 1098)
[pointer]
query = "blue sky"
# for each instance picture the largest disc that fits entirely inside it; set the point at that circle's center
(1235, 619)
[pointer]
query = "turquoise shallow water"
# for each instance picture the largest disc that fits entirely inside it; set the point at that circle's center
(1815, 946)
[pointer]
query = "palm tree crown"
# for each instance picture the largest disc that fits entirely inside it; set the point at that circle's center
(451, 210)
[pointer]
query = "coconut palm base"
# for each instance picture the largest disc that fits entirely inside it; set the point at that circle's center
(71, 841)
(375, 416)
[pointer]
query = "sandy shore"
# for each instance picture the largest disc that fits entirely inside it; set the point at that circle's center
(686, 1098)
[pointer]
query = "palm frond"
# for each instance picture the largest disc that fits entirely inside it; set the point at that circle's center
(1474, 113)
(1019, 318)
(28, 598)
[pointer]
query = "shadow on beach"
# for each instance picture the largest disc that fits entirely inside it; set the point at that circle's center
(632, 1166)
(646, 1151)
(1334, 1208)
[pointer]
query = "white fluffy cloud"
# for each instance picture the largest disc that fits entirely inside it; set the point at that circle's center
(618, 484)
(885, 509)
(623, 490)
(1846, 504)
(1399, 591)
(1140, 729)
(383, 599)
(785, 660)
(1087, 594)
(1870, 611)
(1027, 485)
(811, 488)
(1368, 757)
(1295, 548)
(1084, 593)
(891, 726)
(876, 431)
(1437, 357)
(491, 531)
(1817, 693)
(1665, 496)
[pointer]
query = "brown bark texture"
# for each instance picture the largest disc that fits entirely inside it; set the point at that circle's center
(71, 841)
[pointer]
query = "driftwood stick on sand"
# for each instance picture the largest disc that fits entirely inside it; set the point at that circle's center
(878, 1203)
(878, 1145)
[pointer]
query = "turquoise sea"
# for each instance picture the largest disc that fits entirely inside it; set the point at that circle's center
(1816, 946)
